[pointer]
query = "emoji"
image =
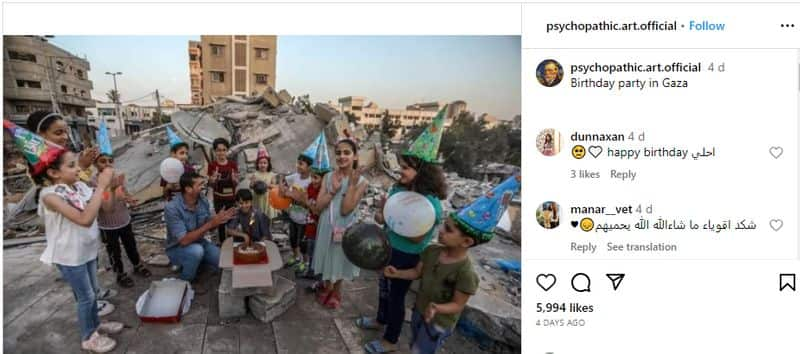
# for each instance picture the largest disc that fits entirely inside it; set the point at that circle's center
(578, 152)
(587, 224)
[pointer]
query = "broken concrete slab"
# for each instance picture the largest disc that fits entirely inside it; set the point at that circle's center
(267, 307)
(284, 96)
(271, 97)
(325, 112)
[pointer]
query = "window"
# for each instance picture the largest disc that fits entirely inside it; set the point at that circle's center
(83, 93)
(63, 88)
(29, 84)
(60, 67)
(261, 79)
(21, 108)
(262, 53)
(79, 74)
(15, 55)
(218, 50)
(193, 57)
(217, 76)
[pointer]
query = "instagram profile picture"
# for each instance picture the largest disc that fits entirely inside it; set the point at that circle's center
(549, 142)
(549, 72)
(548, 214)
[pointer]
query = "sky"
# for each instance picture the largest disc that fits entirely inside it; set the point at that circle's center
(392, 71)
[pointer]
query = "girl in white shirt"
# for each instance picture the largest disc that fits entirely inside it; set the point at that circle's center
(68, 208)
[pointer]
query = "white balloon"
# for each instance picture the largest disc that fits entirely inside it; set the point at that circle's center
(171, 170)
(409, 214)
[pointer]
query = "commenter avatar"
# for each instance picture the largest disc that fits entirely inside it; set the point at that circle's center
(549, 73)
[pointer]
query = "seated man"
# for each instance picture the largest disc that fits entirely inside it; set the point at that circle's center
(188, 218)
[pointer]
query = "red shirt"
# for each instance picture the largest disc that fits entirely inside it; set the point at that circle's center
(311, 225)
(225, 187)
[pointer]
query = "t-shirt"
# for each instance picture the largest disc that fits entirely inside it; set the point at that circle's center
(258, 231)
(404, 244)
(311, 225)
(439, 283)
(225, 187)
(67, 242)
(119, 215)
(297, 212)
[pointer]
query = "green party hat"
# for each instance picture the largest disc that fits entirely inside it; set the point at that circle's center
(426, 147)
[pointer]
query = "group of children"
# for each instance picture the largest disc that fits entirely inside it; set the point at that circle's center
(324, 201)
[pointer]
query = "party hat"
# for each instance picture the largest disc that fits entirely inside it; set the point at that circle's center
(311, 150)
(322, 163)
(36, 149)
(427, 144)
(262, 152)
(174, 139)
(103, 140)
(480, 218)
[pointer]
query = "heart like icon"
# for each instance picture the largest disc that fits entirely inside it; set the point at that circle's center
(595, 150)
(776, 224)
(776, 151)
(574, 223)
(546, 281)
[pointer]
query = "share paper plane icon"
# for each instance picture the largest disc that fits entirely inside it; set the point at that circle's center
(616, 279)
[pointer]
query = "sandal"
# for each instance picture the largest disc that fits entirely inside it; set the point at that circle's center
(141, 270)
(376, 346)
(124, 281)
(323, 295)
(365, 322)
(334, 301)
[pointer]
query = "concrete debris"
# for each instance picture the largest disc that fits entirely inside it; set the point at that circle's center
(267, 307)
(284, 97)
(325, 112)
(271, 97)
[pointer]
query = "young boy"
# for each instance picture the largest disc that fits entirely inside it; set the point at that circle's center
(447, 277)
(294, 187)
(311, 226)
(249, 220)
(223, 175)
(179, 151)
(114, 221)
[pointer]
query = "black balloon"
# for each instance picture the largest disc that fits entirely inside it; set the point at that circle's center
(366, 246)
(260, 187)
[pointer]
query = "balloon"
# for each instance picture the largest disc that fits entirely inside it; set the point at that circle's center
(278, 202)
(409, 214)
(171, 170)
(366, 246)
(260, 187)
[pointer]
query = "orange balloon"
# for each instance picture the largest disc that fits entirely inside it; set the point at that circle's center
(278, 202)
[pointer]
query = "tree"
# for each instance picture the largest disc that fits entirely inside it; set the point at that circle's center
(113, 95)
(388, 128)
(468, 143)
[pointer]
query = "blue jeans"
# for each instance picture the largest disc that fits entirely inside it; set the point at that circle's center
(426, 338)
(83, 280)
(190, 257)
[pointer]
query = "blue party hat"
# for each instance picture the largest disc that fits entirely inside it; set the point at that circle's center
(103, 139)
(311, 150)
(480, 218)
(322, 163)
(174, 139)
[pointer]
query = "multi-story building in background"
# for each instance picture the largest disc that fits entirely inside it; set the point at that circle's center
(196, 72)
(231, 65)
(370, 115)
(38, 75)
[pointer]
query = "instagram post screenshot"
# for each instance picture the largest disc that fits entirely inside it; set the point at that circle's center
(263, 189)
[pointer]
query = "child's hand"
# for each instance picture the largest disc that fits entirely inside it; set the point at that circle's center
(390, 272)
(235, 176)
(104, 178)
(88, 156)
(336, 181)
(214, 177)
(430, 312)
